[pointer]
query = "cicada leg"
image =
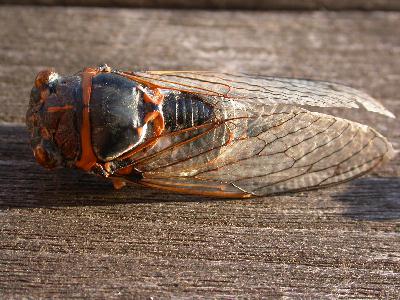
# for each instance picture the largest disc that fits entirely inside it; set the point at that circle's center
(118, 183)
(98, 169)
(129, 172)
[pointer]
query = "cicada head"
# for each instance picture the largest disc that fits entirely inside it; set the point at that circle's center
(51, 118)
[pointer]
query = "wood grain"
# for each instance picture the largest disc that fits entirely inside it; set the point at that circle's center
(68, 234)
(386, 5)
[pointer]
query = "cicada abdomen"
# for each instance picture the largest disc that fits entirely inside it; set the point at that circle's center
(201, 132)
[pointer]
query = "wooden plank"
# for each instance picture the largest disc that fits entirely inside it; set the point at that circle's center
(65, 234)
(69, 234)
(227, 4)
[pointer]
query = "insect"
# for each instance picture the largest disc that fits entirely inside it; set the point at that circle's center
(204, 133)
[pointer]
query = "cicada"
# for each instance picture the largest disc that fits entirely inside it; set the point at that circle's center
(204, 133)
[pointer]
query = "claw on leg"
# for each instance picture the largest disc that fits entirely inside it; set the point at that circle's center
(118, 183)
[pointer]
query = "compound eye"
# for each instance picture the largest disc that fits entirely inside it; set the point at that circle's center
(46, 82)
(44, 77)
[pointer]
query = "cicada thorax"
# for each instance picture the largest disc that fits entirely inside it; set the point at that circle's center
(117, 111)
(125, 115)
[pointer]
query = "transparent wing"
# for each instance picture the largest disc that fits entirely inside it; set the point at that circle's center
(260, 90)
(281, 150)
(181, 154)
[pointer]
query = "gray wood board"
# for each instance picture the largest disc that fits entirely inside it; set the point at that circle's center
(228, 4)
(66, 233)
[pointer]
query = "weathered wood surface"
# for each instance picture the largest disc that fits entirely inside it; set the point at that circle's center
(67, 234)
(386, 5)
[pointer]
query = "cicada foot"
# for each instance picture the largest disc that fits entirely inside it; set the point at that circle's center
(121, 169)
(98, 169)
(104, 171)
(129, 173)
(118, 183)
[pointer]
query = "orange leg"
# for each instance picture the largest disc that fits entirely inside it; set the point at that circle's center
(118, 183)
(125, 171)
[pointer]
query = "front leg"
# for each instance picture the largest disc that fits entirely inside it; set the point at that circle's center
(100, 170)
(121, 170)
(118, 183)
(117, 175)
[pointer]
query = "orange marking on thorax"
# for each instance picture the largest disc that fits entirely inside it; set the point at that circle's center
(155, 116)
(88, 158)
(60, 108)
(157, 99)
(158, 120)
(139, 131)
